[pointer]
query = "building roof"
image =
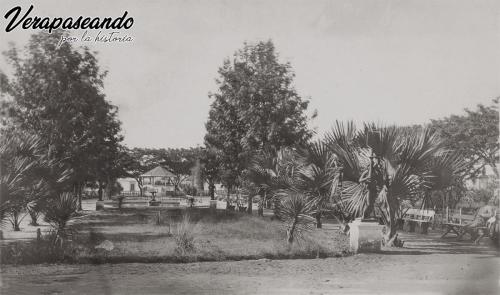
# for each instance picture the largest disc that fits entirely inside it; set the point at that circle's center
(158, 172)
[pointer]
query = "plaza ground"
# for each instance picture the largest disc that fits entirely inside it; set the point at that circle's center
(426, 265)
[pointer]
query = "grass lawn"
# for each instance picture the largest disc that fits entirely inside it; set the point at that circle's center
(179, 235)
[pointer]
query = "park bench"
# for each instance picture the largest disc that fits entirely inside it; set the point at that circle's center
(462, 224)
(418, 217)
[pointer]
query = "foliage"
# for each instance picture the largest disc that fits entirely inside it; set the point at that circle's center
(447, 170)
(259, 177)
(178, 161)
(189, 189)
(384, 162)
(316, 173)
(135, 162)
(183, 236)
(485, 195)
(296, 210)
(29, 174)
(57, 94)
(60, 210)
(15, 216)
(254, 108)
(474, 135)
(48, 249)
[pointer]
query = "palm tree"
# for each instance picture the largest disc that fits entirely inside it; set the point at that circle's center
(316, 171)
(296, 211)
(17, 161)
(384, 162)
(262, 172)
(448, 170)
(27, 173)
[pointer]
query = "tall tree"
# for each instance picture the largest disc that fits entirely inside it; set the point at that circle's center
(58, 94)
(474, 135)
(255, 107)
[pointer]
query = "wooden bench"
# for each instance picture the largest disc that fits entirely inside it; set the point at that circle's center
(462, 224)
(423, 218)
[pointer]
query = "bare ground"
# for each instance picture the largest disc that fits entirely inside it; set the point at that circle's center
(427, 265)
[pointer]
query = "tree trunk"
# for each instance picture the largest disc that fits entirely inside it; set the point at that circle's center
(139, 185)
(263, 198)
(276, 204)
(228, 201)
(318, 220)
(99, 192)
(211, 190)
(249, 205)
(392, 225)
(34, 220)
(109, 184)
(79, 192)
(15, 221)
(290, 232)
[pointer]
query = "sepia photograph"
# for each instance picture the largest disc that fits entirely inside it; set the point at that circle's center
(249, 147)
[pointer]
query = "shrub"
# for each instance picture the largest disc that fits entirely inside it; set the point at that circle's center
(50, 248)
(189, 189)
(60, 210)
(295, 211)
(183, 236)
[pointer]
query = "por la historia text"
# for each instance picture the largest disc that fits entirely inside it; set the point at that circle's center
(107, 37)
(50, 24)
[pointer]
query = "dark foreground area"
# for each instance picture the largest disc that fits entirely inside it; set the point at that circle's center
(427, 265)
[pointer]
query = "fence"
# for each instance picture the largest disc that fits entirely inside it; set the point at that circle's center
(161, 196)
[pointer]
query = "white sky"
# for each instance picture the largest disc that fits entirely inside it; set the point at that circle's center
(392, 61)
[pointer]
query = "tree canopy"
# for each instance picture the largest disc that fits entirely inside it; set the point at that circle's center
(56, 92)
(254, 108)
(474, 135)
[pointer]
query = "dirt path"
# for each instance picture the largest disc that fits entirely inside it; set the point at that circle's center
(426, 266)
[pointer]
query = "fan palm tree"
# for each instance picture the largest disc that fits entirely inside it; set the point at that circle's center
(384, 162)
(296, 211)
(261, 172)
(448, 170)
(316, 171)
(16, 163)
(27, 173)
